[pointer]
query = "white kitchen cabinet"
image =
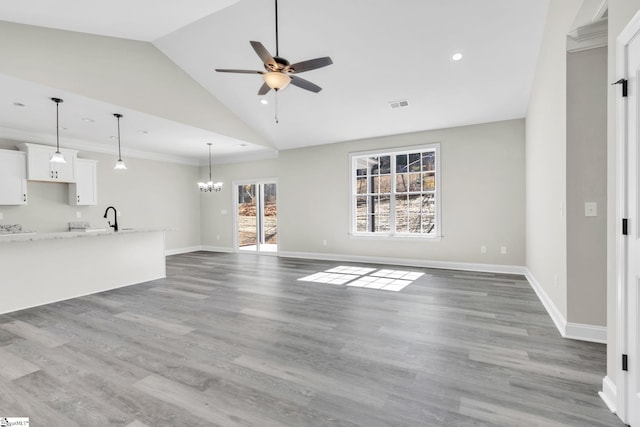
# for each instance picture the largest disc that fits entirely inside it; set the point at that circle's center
(84, 192)
(40, 168)
(13, 178)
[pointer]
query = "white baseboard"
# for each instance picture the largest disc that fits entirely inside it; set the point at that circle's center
(179, 251)
(448, 265)
(197, 248)
(609, 394)
(217, 249)
(570, 330)
(556, 315)
(582, 332)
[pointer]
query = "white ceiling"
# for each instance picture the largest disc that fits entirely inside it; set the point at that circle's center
(144, 20)
(382, 51)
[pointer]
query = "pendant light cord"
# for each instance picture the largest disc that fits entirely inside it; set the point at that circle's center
(119, 151)
(210, 179)
(57, 128)
(117, 116)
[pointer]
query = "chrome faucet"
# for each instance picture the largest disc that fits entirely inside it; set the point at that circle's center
(115, 218)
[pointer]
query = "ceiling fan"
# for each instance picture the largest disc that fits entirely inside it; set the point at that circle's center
(278, 71)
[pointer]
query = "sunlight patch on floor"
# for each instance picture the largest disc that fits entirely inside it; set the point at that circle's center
(386, 280)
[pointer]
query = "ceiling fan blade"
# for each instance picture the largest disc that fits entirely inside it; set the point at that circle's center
(239, 71)
(264, 89)
(264, 55)
(305, 84)
(311, 64)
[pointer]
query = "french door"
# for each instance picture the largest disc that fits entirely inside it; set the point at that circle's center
(256, 216)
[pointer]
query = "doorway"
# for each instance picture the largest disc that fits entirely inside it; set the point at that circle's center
(256, 216)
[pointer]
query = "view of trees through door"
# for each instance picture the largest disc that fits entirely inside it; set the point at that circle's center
(257, 217)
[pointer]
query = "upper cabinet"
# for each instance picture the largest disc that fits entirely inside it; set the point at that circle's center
(40, 168)
(13, 178)
(84, 192)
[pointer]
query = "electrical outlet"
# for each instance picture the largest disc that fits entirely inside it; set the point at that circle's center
(217, 237)
(590, 209)
(324, 243)
(503, 250)
(78, 214)
(483, 249)
(119, 213)
(223, 212)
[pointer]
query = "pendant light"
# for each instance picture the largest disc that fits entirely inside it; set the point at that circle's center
(210, 185)
(120, 163)
(57, 157)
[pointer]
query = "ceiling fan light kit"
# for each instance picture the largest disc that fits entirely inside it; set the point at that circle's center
(276, 80)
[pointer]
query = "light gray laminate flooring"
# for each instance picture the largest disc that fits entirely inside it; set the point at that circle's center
(237, 340)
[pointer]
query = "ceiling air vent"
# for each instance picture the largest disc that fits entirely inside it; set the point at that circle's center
(398, 104)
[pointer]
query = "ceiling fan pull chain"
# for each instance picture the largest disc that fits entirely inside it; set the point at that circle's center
(276, 106)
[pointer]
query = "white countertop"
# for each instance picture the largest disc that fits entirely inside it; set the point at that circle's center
(32, 237)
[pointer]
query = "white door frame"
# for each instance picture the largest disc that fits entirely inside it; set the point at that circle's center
(234, 194)
(622, 330)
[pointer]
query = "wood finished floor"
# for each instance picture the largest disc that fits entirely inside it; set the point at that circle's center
(236, 340)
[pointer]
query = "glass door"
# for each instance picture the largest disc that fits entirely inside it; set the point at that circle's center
(247, 223)
(269, 234)
(257, 215)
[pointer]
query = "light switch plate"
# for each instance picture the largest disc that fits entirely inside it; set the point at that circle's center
(1, 216)
(590, 209)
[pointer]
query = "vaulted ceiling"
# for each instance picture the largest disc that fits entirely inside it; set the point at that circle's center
(382, 52)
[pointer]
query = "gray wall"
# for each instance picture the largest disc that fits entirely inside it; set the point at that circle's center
(587, 182)
(149, 194)
(546, 146)
(482, 197)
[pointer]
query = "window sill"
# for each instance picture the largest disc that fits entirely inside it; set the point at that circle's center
(407, 237)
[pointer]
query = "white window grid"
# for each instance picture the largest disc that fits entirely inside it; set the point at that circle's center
(395, 226)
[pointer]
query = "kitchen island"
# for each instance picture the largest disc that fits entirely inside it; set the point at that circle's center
(41, 268)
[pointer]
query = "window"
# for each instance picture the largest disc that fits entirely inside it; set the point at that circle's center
(396, 193)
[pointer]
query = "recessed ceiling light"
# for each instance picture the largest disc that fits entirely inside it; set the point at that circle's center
(18, 104)
(113, 137)
(456, 56)
(264, 101)
(88, 120)
(143, 132)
